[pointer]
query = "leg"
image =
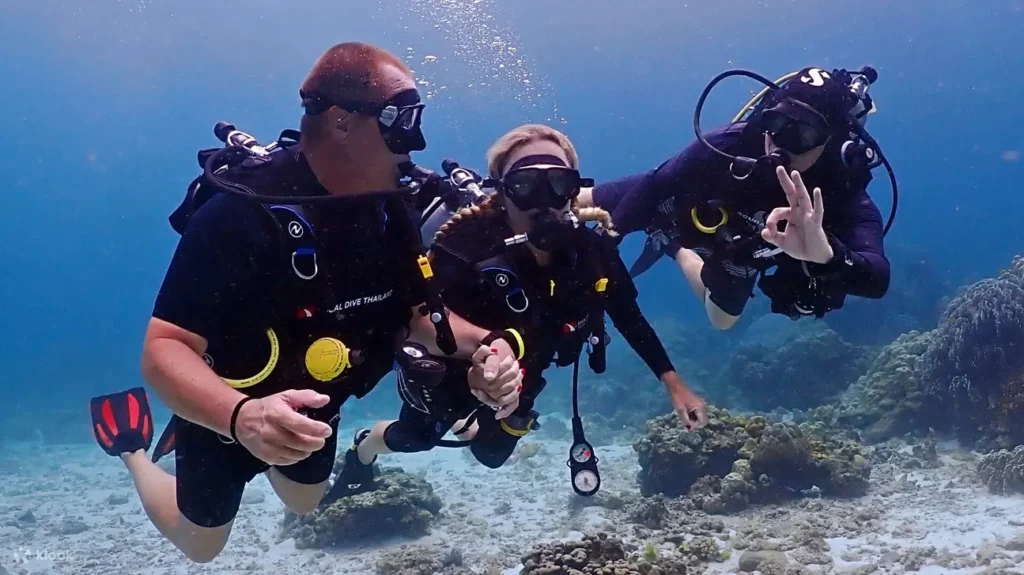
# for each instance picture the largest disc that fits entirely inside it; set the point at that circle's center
(412, 432)
(297, 497)
(373, 444)
(465, 433)
(158, 492)
(302, 486)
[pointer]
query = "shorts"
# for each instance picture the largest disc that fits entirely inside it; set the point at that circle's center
(211, 471)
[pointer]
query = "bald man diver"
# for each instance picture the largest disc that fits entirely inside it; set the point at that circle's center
(290, 291)
(783, 188)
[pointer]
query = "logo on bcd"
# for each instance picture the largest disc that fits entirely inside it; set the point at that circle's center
(817, 77)
(295, 229)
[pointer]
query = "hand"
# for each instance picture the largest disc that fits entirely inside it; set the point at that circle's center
(804, 238)
(692, 410)
(495, 378)
(273, 430)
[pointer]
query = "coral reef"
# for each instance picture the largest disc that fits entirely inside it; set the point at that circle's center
(974, 366)
(888, 400)
(1003, 471)
(628, 394)
(806, 371)
(399, 504)
(735, 461)
(596, 555)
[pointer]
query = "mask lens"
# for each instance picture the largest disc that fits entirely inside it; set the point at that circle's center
(408, 117)
(565, 184)
(792, 135)
(521, 187)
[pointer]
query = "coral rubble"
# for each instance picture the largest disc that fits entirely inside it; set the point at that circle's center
(399, 504)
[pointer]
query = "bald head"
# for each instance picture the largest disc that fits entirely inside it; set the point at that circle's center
(341, 133)
(358, 72)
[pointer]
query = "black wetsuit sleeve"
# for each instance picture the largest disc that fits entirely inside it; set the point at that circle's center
(634, 200)
(858, 262)
(449, 267)
(622, 308)
(222, 269)
(632, 208)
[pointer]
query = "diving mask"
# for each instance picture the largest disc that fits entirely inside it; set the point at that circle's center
(529, 186)
(398, 119)
(795, 127)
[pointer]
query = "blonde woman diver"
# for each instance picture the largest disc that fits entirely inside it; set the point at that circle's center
(522, 258)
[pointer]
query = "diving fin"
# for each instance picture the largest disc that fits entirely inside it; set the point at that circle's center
(648, 257)
(165, 445)
(122, 422)
(355, 476)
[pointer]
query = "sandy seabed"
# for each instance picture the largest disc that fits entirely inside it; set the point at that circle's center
(72, 509)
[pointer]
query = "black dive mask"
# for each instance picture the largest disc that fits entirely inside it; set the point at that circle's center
(399, 123)
(795, 126)
(531, 187)
(398, 119)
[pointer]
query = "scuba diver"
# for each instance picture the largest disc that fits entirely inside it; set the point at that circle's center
(298, 275)
(521, 258)
(737, 202)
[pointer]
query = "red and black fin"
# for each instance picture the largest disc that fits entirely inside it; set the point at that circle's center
(168, 440)
(122, 422)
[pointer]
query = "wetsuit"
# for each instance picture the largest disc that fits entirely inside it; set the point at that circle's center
(553, 307)
(660, 202)
(233, 277)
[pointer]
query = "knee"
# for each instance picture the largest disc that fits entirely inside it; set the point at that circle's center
(203, 553)
(202, 545)
(303, 499)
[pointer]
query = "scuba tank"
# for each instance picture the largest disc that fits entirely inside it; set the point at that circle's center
(460, 189)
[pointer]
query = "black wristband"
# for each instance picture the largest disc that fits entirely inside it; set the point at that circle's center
(511, 337)
(234, 417)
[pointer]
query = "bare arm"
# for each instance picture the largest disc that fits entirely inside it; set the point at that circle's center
(172, 364)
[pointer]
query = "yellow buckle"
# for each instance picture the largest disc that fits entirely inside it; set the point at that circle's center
(601, 285)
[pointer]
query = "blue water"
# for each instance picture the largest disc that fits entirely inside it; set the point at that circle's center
(104, 105)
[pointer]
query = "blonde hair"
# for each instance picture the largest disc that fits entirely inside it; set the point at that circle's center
(497, 157)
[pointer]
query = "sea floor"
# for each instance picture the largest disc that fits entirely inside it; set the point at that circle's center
(72, 509)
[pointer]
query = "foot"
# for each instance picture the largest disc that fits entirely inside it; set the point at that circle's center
(355, 476)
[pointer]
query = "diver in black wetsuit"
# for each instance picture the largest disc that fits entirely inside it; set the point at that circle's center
(726, 218)
(289, 292)
(521, 259)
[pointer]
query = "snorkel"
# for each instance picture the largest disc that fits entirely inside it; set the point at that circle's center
(859, 151)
